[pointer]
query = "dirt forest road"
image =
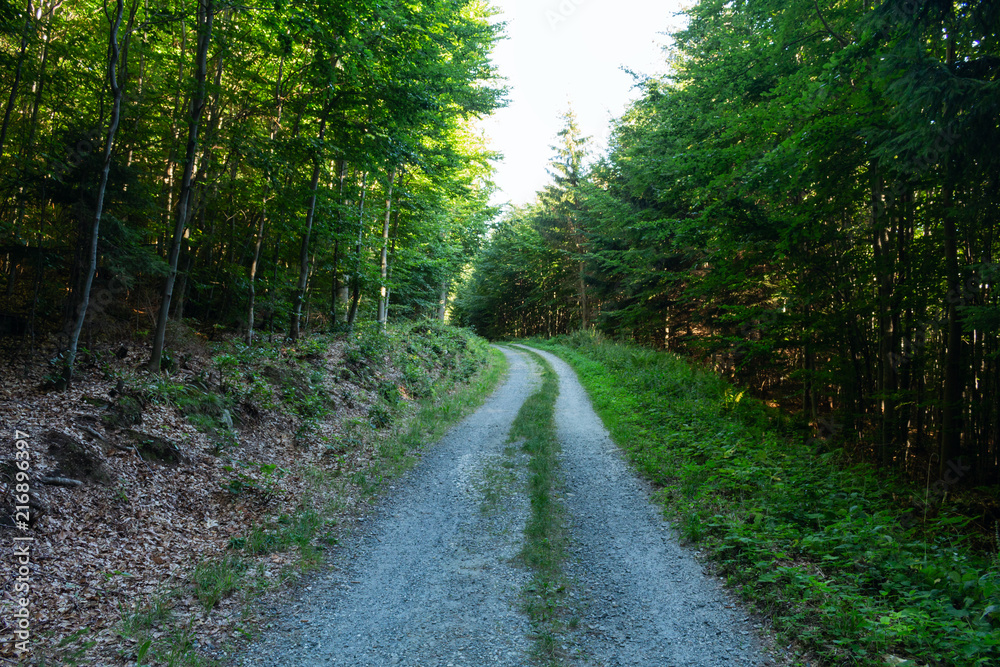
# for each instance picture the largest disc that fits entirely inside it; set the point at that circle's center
(432, 577)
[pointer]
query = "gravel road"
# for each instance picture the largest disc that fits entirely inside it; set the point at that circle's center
(432, 577)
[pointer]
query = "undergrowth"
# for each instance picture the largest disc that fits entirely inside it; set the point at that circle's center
(829, 550)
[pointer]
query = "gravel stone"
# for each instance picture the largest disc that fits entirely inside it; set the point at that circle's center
(432, 577)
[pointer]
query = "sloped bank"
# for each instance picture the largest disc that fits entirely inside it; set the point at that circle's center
(272, 449)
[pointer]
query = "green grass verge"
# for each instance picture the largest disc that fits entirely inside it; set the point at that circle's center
(544, 550)
(834, 553)
(443, 407)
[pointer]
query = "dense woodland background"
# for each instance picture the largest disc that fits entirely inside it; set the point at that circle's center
(285, 165)
(808, 201)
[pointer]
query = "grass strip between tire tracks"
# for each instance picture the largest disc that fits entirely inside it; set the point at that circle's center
(545, 595)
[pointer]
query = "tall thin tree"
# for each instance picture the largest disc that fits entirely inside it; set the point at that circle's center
(206, 16)
(114, 56)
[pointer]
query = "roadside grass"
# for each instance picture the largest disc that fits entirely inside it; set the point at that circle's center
(834, 553)
(214, 580)
(545, 595)
(465, 371)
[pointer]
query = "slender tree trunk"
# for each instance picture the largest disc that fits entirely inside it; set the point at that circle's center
(335, 289)
(184, 276)
(443, 303)
(300, 292)
(40, 84)
(951, 408)
(170, 178)
(356, 278)
(954, 376)
(263, 211)
(88, 281)
(383, 302)
(206, 15)
(12, 99)
(253, 272)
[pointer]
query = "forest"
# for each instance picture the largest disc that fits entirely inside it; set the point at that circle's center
(293, 166)
(234, 239)
(807, 202)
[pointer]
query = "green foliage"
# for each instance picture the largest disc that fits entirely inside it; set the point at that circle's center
(427, 350)
(530, 278)
(368, 345)
(298, 530)
(262, 480)
(839, 554)
(806, 202)
(378, 112)
(379, 416)
(214, 580)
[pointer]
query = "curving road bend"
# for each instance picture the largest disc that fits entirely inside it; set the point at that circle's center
(433, 580)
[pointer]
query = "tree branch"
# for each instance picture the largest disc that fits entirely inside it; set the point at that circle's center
(843, 42)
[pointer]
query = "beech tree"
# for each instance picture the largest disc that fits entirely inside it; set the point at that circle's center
(252, 144)
(114, 61)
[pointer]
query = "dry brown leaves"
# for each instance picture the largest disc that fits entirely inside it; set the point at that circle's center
(103, 550)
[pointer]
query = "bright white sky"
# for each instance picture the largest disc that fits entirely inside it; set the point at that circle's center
(562, 53)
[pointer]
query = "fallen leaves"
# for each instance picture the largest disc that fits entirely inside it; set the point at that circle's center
(104, 550)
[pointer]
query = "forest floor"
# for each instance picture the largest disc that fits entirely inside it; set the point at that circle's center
(162, 506)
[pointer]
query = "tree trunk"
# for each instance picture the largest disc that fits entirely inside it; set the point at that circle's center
(954, 376)
(40, 84)
(335, 288)
(253, 272)
(443, 303)
(300, 291)
(951, 407)
(383, 302)
(184, 278)
(263, 211)
(356, 278)
(88, 281)
(206, 14)
(17, 76)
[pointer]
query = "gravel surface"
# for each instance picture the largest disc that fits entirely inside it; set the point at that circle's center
(432, 576)
(644, 599)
